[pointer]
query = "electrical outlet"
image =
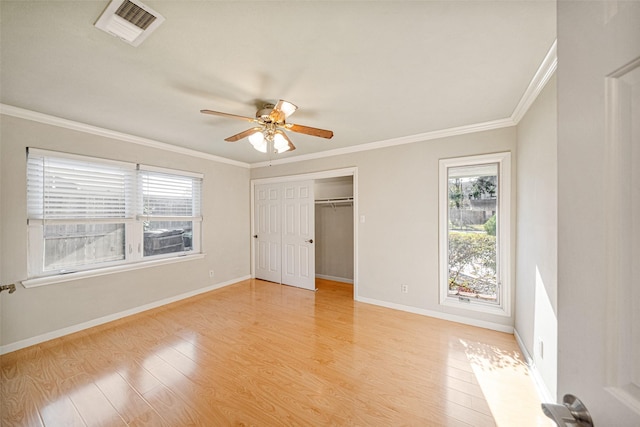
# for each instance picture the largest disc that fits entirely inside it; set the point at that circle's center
(541, 348)
(404, 289)
(211, 273)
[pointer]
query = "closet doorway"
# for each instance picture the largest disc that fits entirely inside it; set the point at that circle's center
(304, 227)
(284, 232)
(334, 229)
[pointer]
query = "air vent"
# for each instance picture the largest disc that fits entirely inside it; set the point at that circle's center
(129, 20)
(135, 14)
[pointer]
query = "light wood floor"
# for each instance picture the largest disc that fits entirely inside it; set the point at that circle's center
(257, 353)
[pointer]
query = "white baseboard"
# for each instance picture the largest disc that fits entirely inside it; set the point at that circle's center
(334, 278)
(543, 392)
(523, 349)
(8, 348)
(439, 315)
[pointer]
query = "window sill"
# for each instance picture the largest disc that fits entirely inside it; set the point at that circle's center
(60, 278)
(474, 306)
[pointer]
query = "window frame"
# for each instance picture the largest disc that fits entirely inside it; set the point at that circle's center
(132, 220)
(503, 234)
(142, 217)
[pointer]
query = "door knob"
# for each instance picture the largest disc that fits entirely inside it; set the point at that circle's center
(572, 412)
(255, 236)
(309, 241)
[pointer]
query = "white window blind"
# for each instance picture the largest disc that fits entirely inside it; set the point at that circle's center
(86, 213)
(168, 195)
(61, 187)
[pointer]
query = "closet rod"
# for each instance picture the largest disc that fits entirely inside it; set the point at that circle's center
(334, 201)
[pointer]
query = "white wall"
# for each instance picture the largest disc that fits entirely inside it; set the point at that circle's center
(327, 188)
(398, 195)
(30, 313)
(537, 235)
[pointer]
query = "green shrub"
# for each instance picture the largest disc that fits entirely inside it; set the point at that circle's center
(490, 226)
(474, 253)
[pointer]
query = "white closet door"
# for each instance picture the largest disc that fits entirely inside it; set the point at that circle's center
(298, 249)
(268, 232)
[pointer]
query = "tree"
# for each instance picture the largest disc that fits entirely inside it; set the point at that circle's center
(456, 195)
(456, 198)
(483, 185)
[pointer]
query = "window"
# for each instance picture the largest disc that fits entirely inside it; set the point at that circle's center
(169, 206)
(86, 213)
(474, 232)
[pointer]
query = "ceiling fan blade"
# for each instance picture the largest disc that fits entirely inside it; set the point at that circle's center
(291, 146)
(242, 134)
(322, 133)
(282, 110)
(231, 116)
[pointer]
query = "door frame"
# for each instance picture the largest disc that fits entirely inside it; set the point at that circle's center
(332, 173)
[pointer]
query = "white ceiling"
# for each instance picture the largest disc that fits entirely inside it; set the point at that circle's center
(368, 70)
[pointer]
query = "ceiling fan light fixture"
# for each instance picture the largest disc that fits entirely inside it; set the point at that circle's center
(258, 141)
(261, 147)
(287, 108)
(256, 138)
(280, 143)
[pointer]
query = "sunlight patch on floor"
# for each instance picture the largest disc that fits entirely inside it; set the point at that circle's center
(506, 384)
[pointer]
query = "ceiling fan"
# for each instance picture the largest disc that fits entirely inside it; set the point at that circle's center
(271, 123)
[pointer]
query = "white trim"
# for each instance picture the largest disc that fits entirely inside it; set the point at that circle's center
(331, 173)
(538, 82)
(334, 278)
(22, 113)
(543, 392)
(622, 348)
(252, 228)
(8, 348)
(503, 159)
(421, 137)
(61, 278)
(439, 315)
(523, 349)
(477, 306)
(356, 223)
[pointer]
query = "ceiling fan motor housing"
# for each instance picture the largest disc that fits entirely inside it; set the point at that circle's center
(264, 114)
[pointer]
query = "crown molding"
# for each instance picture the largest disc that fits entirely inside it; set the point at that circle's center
(47, 119)
(538, 82)
(421, 137)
